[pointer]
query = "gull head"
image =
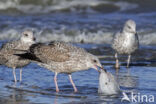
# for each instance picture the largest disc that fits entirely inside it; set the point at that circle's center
(93, 62)
(28, 37)
(130, 27)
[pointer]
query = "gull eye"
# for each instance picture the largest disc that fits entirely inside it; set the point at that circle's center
(25, 34)
(94, 61)
(129, 27)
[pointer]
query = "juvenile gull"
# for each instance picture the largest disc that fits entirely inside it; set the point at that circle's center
(7, 52)
(61, 57)
(126, 41)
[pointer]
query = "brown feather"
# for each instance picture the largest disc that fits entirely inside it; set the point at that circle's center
(53, 52)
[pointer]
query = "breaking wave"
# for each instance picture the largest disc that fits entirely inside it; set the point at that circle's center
(46, 6)
(88, 21)
(98, 37)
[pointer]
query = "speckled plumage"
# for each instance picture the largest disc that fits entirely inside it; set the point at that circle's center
(8, 50)
(126, 41)
(61, 57)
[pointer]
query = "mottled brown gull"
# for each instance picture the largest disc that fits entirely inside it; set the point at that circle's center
(61, 57)
(7, 52)
(126, 41)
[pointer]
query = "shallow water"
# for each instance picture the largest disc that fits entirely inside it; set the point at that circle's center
(38, 86)
(79, 21)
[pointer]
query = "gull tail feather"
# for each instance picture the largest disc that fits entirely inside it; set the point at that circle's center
(29, 56)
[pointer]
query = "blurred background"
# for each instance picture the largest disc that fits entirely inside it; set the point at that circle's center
(89, 21)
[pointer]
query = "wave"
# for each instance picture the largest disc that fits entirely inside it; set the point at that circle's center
(47, 6)
(99, 37)
(94, 27)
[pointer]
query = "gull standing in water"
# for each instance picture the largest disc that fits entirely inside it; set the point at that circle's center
(61, 57)
(126, 41)
(7, 52)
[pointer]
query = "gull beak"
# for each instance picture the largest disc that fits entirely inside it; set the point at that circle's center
(98, 68)
(134, 32)
(103, 69)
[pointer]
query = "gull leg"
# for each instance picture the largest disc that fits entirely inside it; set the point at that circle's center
(128, 60)
(55, 80)
(20, 75)
(14, 74)
(71, 81)
(117, 61)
